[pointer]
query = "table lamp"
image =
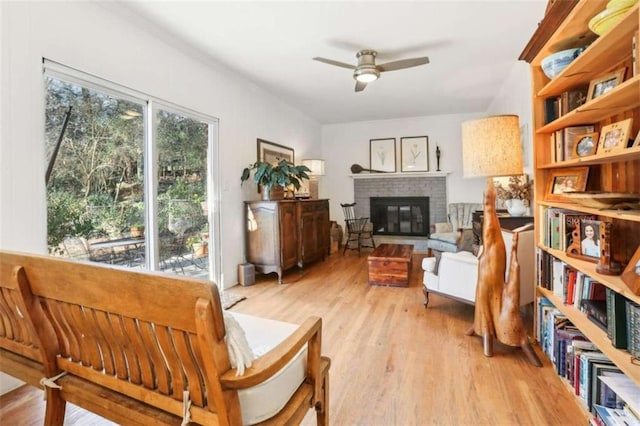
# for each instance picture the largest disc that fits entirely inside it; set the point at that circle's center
(490, 148)
(317, 169)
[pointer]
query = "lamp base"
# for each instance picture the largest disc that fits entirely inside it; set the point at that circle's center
(497, 308)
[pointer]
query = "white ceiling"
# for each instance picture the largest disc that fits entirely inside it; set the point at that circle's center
(472, 46)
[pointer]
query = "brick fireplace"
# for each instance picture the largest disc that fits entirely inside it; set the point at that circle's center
(366, 186)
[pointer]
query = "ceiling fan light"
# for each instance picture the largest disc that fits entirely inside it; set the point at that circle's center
(367, 77)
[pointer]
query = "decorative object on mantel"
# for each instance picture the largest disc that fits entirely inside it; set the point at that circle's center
(357, 168)
(437, 158)
(414, 154)
(275, 175)
(491, 147)
(516, 194)
(382, 154)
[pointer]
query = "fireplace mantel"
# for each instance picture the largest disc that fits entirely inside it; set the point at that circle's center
(398, 175)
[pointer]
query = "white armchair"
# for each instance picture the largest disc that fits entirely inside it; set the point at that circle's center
(456, 234)
(456, 274)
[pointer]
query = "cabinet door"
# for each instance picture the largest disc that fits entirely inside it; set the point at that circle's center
(262, 232)
(314, 230)
(288, 234)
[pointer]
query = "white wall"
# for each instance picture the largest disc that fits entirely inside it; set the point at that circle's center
(346, 144)
(93, 39)
(514, 97)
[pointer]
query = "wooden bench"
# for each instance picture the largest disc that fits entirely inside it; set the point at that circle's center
(390, 264)
(145, 348)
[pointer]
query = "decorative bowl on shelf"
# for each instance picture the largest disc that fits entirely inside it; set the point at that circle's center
(604, 200)
(605, 20)
(553, 64)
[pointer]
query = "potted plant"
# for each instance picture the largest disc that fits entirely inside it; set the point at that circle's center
(516, 195)
(198, 246)
(275, 175)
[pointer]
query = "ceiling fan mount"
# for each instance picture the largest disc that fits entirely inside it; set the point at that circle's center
(367, 71)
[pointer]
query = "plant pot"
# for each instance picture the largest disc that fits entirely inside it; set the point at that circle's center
(137, 231)
(200, 249)
(276, 193)
(516, 207)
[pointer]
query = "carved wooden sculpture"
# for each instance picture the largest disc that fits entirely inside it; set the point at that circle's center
(497, 312)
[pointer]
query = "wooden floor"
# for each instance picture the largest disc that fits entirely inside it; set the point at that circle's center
(393, 361)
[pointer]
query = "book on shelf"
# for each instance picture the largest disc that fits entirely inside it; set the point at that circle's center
(570, 222)
(614, 416)
(616, 319)
(633, 328)
(596, 311)
(598, 369)
(578, 347)
(572, 99)
(586, 359)
(626, 390)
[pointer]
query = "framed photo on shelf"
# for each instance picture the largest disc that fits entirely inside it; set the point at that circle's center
(614, 137)
(631, 274)
(586, 244)
(637, 141)
(414, 154)
(561, 181)
(382, 154)
(605, 84)
(585, 145)
(273, 152)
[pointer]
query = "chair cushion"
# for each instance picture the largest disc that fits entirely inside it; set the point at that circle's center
(429, 264)
(447, 237)
(266, 399)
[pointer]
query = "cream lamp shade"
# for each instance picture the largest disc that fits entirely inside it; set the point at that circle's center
(316, 167)
(491, 146)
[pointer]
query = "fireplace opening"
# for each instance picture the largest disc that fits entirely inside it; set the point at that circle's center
(400, 216)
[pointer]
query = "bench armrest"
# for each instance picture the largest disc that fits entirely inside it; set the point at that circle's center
(270, 363)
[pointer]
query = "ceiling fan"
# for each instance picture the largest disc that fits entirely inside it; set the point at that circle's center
(367, 71)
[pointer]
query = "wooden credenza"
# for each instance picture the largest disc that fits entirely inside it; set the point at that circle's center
(286, 233)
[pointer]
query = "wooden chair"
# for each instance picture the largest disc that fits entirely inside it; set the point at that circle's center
(359, 229)
(145, 348)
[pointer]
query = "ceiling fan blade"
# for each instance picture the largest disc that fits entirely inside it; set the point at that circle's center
(404, 63)
(336, 63)
(360, 85)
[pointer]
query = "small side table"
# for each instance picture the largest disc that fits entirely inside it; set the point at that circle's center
(506, 222)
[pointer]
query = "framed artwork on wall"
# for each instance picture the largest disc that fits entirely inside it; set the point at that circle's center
(414, 154)
(273, 152)
(382, 154)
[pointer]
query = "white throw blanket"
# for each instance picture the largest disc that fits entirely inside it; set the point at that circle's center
(240, 354)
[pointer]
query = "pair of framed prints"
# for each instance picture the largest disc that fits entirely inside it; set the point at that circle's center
(612, 138)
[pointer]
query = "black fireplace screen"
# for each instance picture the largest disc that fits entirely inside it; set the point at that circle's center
(400, 215)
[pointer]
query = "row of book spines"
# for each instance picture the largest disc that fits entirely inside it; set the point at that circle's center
(632, 311)
(558, 225)
(569, 284)
(575, 358)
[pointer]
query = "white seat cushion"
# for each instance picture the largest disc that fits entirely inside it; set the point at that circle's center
(265, 400)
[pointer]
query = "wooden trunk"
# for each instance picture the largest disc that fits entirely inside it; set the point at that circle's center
(390, 265)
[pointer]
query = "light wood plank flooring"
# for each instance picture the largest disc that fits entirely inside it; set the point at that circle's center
(393, 361)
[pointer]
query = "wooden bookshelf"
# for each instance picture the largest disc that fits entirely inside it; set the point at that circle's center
(611, 172)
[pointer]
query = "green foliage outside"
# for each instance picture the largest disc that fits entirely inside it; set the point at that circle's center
(96, 188)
